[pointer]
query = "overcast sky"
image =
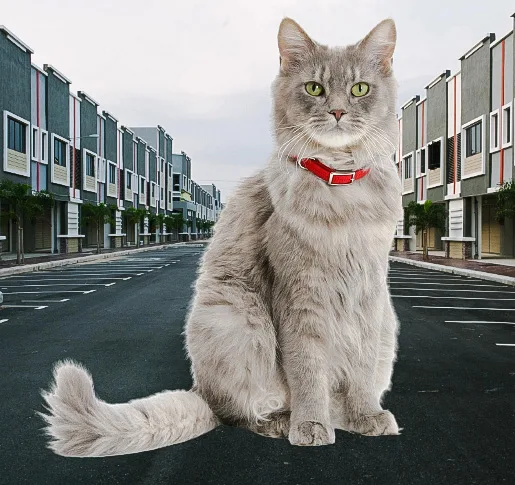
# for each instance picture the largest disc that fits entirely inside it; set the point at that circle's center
(203, 69)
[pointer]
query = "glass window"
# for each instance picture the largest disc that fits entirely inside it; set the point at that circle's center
(16, 135)
(90, 165)
(506, 138)
(473, 139)
(112, 174)
(59, 152)
(35, 143)
(142, 184)
(44, 147)
(407, 167)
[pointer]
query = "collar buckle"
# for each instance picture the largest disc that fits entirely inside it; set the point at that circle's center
(351, 174)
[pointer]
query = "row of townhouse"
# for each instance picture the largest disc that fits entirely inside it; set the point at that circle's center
(63, 143)
(456, 148)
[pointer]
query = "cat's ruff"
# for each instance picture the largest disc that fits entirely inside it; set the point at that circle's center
(329, 175)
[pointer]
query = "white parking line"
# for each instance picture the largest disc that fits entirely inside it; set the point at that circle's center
(70, 279)
(477, 321)
(453, 284)
(465, 308)
(36, 307)
(451, 278)
(46, 301)
(4, 320)
(451, 297)
(505, 345)
(58, 284)
(447, 290)
(85, 273)
(38, 292)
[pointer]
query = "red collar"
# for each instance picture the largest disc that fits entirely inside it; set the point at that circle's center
(328, 174)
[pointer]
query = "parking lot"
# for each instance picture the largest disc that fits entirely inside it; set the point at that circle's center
(40, 290)
(453, 390)
(468, 308)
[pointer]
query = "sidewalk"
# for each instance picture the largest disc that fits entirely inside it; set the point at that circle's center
(36, 262)
(483, 269)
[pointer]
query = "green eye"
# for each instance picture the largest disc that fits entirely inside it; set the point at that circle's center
(360, 89)
(314, 89)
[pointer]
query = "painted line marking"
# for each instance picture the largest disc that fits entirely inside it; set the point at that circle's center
(88, 292)
(111, 284)
(454, 284)
(70, 279)
(451, 297)
(61, 284)
(478, 321)
(450, 290)
(46, 301)
(450, 278)
(465, 308)
(4, 320)
(505, 345)
(38, 292)
(36, 307)
(118, 273)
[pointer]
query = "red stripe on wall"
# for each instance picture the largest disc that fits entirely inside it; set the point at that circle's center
(503, 55)
(455, 147)
(38, 122)
(422, 178)
(74, 139)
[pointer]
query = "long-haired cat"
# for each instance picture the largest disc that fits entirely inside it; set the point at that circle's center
(291, 332)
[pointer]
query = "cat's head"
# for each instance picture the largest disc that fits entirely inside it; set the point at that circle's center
(341, 97)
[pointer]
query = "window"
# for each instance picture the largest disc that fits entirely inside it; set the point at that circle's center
(16, 133)
(90, 165)
(176, 182)
(142, 185)
(129, 181)
(407, 167)
(35, 143)
(59, 152)
(473, 139)
(434, 155)
(153, 193)
(506, 126)
(423, 161)
(169, 197)
(112, 173)
(162, 194)
(44, 147)
(494, 131)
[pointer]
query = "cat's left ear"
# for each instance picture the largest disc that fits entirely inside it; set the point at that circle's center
(294, 45)
(380, 43)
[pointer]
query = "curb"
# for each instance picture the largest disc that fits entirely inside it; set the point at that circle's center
(506, 280)
(29, 268)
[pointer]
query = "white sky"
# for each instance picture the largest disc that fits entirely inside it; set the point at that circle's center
(203, 69)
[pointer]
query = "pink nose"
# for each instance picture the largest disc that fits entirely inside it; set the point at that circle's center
(338, 113)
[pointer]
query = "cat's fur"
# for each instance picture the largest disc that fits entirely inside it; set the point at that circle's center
(291, 331)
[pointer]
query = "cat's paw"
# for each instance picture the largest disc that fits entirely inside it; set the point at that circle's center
(311, 433)
(377, 424)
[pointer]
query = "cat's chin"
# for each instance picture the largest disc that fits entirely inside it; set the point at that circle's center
(336, 139)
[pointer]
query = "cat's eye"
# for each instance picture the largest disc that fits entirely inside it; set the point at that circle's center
(314, 89)
(360, 89)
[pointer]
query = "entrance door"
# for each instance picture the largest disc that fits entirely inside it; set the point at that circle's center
(490, 229)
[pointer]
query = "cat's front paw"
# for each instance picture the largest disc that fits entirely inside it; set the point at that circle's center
(377, 424)
(311, 433)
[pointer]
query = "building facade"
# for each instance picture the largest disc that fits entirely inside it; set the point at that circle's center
(456, 149)
(57, 141)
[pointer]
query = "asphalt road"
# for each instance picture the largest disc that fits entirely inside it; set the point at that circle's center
(453, 392)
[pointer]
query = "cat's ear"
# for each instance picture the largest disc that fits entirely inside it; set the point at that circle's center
(380, 43)
(294, 45)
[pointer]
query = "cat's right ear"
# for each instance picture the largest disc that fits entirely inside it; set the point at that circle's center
(294, 45)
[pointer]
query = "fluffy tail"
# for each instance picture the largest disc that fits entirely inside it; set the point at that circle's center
(80, 424)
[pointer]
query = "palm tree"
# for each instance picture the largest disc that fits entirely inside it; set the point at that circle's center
(98, 215)
(160, 219)
(134, 217)
(506, 201)
(23, 205)
(176, 223)
(424, 217)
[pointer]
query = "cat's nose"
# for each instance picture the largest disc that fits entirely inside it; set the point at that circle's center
(338, 113)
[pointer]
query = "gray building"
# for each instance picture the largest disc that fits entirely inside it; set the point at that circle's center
(463, 134)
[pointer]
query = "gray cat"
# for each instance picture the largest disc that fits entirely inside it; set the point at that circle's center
(291, 332)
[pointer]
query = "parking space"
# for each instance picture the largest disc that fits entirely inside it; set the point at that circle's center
(39, 290)
(468, 308)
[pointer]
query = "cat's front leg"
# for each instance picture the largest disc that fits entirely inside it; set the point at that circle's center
(305, 363)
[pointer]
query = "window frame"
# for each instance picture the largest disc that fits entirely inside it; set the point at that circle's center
(473, 140)
(35, 142)
(26, 172)
(464, 127)
(43, 144)
(410, 169)
(87, 158)
(66, 143)
(495, 144)
(508, 143)
(109, 178)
